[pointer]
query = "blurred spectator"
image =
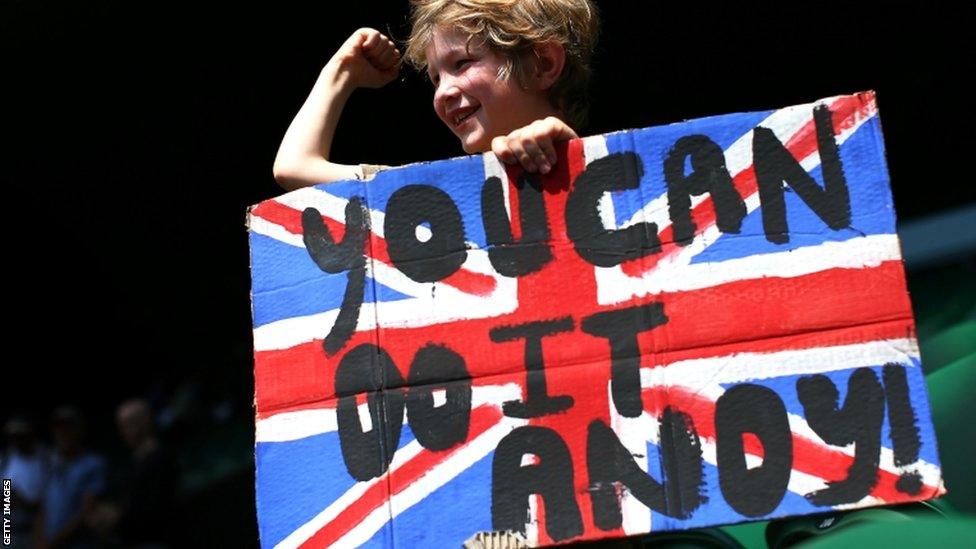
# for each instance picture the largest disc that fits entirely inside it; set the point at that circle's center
(27, 465)
(140, 510)
(77, 478)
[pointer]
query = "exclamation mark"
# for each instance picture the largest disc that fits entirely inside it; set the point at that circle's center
(905, 441)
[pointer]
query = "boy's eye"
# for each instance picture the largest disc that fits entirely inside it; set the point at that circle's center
(460, 63)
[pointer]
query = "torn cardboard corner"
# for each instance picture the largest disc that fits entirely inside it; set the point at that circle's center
(680, 326)
(496, 540)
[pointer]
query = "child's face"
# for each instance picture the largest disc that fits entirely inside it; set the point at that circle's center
(470, 98)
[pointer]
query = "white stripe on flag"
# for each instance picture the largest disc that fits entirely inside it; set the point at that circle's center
(299, 424)
(741, 367)
(613, 286)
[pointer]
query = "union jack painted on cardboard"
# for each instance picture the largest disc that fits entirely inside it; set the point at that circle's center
(681, 326)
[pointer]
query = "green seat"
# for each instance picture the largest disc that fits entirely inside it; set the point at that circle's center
(950, 394)
(949, 345)
(916, 532)
(801, 530)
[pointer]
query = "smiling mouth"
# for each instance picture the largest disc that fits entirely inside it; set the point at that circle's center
(459, 118)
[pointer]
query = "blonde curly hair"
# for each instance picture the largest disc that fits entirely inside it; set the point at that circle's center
(513, 28)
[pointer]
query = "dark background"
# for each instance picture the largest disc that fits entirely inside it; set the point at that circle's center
(137, 134)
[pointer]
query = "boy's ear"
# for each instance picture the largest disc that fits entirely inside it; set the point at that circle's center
(549, 60)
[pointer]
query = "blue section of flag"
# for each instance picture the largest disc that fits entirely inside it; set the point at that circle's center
(406, 434)
(267, 257)
(306, 290)
(306, 473)
(467, 496)
(382, 538)
(460, 178)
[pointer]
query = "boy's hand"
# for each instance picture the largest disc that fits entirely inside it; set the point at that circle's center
(532, 145)
(370, 59)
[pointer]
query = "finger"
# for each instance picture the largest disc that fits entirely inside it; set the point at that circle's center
(373, 39)
(397, 59)
(499, 146)
(384, 55)
(534, 158)
(517, 144)
(549, 153)
(561, 132)
(377, 47)
(387, 58)
(395, 52)
(548, 132)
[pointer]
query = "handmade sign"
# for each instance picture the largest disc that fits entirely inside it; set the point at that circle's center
(681, 326)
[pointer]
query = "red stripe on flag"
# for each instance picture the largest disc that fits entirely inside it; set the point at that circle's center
(752, 310)
(763, 314)
(299, 377)
(894, 329)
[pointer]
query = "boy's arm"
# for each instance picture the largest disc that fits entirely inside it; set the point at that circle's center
(367, 59)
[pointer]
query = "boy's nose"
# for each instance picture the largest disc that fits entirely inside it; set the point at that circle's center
(446, 89)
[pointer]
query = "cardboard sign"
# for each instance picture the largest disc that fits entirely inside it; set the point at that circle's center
(681, 326)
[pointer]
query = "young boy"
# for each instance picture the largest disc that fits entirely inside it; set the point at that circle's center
(509, 76)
